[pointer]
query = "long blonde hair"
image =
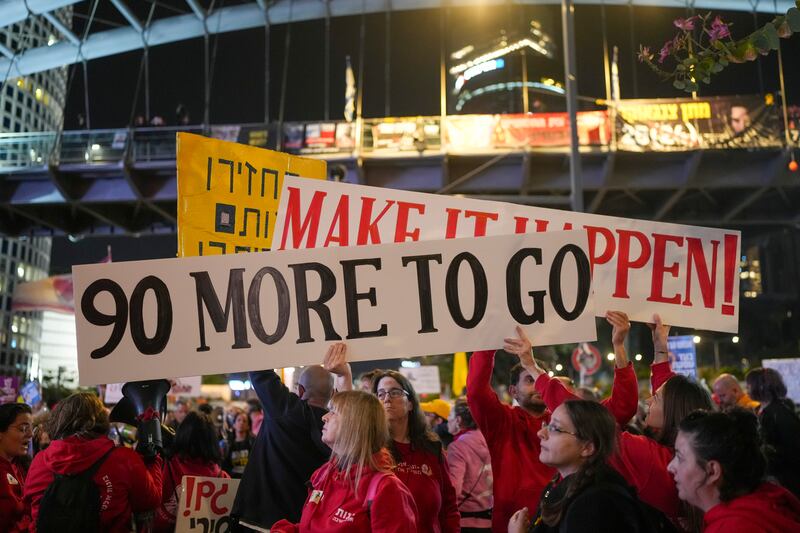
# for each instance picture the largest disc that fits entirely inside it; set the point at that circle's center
(363, 432)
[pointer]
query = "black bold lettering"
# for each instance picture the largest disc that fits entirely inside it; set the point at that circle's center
(352, 296)
(514, 288)
(424, 288)
(155, 344)
(206, 295)
(304, 305)
(98, 318)
(480, 287)
(254, 305)
(584, 282)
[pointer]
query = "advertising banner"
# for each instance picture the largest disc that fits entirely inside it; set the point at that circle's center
(234, 313)
(9, 386)
(682, 124)
(687, 274)
(789, 370)
(402, 134)
(228, 194)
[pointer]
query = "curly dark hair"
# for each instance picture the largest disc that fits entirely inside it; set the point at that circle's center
(731, 439)
(81, 414)
(9, 412)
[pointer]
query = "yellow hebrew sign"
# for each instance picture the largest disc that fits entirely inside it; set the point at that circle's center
(228, 194)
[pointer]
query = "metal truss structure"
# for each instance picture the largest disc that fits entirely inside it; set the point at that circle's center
(198, 21)
(124, 182)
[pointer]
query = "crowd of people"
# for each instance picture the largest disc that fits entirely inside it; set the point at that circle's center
(328, 458)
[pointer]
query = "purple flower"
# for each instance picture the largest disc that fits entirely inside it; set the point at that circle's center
(719, 30)
(666, 50)
(685, 24)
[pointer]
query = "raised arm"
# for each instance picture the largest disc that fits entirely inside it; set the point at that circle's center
(660, 370)
(487, 409)
(335, 362)
(624, 398)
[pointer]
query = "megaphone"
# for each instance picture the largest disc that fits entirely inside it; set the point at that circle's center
(143, 404)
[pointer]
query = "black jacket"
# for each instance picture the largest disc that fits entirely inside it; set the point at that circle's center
(606, 505)
(287, 451)
(780, 429)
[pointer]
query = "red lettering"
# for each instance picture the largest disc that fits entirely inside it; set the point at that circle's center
(567, 226)
(366, 226)
(452, 223)
(187, 500)
(520, 224)
(218, 509)
(310, 222)
(624, 261)
(401, 231)
(481, 219)
(608, 251)
(660, 268)
(731, 256)
(706, 277)
(204, 490)
(341, 220)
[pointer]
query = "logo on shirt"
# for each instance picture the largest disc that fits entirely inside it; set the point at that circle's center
(341, 516)
(11, 479)
(426, 470)
(316, 496)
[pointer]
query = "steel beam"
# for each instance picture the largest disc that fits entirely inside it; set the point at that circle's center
(247, 16)
(128, 14)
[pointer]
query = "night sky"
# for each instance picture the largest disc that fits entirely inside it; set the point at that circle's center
(238, 77)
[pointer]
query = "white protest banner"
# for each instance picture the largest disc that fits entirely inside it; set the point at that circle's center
(188, 387)
(789, 370)
(425, 379)
(687, 274)
(233, 313)
(205, 504)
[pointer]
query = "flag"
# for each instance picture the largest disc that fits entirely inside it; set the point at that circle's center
(459, 373)
(49, 294)
(349, 92)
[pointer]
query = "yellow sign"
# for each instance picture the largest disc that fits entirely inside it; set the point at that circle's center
(228, 194)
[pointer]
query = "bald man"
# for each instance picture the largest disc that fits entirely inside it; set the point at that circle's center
(289, 447)
(730, 394)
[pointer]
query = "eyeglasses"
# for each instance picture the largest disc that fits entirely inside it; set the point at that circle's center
(392, 393)
(24, 428)
(552, 428)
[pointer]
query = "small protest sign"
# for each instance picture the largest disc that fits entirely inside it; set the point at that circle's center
(424, 379)
(789, 369)
(8, 389)
(683, 355)
(205, 505)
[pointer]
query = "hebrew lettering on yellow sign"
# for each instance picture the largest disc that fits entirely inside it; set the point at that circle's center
(228, 194)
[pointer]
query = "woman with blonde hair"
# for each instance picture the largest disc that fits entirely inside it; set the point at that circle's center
(356, 490)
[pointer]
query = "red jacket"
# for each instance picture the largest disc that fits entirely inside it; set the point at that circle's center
(333, 506)
(770, 509)
(427, 477)
(172, 474)
(126, 485)
(622, 403)
(12, 507)
(511, 434)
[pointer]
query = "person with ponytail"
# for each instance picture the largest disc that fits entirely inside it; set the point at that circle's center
(356, 490)
(586, 494)
(719, 468)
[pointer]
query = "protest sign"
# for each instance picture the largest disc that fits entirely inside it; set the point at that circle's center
(228, 194)
(205, 504)
(687, 274)
(424, 379)
(8, 389)
(31, 393)
(207, 315)
(683, 355)
(187, 387)
(789, 369)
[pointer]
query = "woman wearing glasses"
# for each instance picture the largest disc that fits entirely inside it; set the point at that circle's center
(420, 459)
(355, 491)
(586, 494)
(16, 432)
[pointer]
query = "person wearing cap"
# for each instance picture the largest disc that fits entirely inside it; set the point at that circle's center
(436, 414)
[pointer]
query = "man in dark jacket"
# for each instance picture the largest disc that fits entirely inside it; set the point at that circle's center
(289, 446)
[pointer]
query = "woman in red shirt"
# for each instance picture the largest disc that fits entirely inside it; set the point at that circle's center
(355, 491)
(16, 432)
(194, 453)
(719, 468)
(421, 462)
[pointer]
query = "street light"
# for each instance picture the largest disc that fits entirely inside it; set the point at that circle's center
(735, 339)
(697, 339)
